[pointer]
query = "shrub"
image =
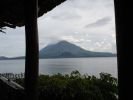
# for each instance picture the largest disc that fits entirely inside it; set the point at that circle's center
(77, 87)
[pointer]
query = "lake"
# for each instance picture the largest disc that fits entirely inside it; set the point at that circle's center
(90, 66)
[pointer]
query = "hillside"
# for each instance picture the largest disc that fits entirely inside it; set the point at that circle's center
(64, 49)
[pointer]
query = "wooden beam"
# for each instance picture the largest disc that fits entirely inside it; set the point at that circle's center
(32, 50)
(124, 47)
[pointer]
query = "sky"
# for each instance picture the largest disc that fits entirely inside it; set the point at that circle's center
(89, 24)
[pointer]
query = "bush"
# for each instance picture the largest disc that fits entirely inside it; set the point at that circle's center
(77, 87)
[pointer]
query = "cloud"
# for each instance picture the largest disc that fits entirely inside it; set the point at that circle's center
(66, 16)
(99, 22)
(75, 39)
(74, 21)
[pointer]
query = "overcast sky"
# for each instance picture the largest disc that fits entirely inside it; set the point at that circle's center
(86, 23)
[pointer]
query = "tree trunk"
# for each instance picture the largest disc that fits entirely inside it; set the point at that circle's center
(32, 50)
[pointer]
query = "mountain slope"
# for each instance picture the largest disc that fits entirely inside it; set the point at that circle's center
(64, 49)
(3, 58)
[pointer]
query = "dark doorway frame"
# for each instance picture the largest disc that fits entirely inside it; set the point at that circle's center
(32, 50)
(124, 47)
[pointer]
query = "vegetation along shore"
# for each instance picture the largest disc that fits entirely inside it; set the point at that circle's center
(76, 87)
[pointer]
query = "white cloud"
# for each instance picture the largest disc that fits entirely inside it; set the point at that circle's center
(100, 22)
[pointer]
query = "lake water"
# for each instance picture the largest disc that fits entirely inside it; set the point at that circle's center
(91, 66)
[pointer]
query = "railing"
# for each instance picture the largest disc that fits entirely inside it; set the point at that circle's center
(12, 76)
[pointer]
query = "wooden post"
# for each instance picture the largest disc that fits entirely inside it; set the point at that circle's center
(124, 32)
(32, 50)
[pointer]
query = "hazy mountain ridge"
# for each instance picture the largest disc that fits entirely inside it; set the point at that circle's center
(11, 58)
(3, 58)
(64, 49)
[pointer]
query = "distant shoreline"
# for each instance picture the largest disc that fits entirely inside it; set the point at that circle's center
(58, 58)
